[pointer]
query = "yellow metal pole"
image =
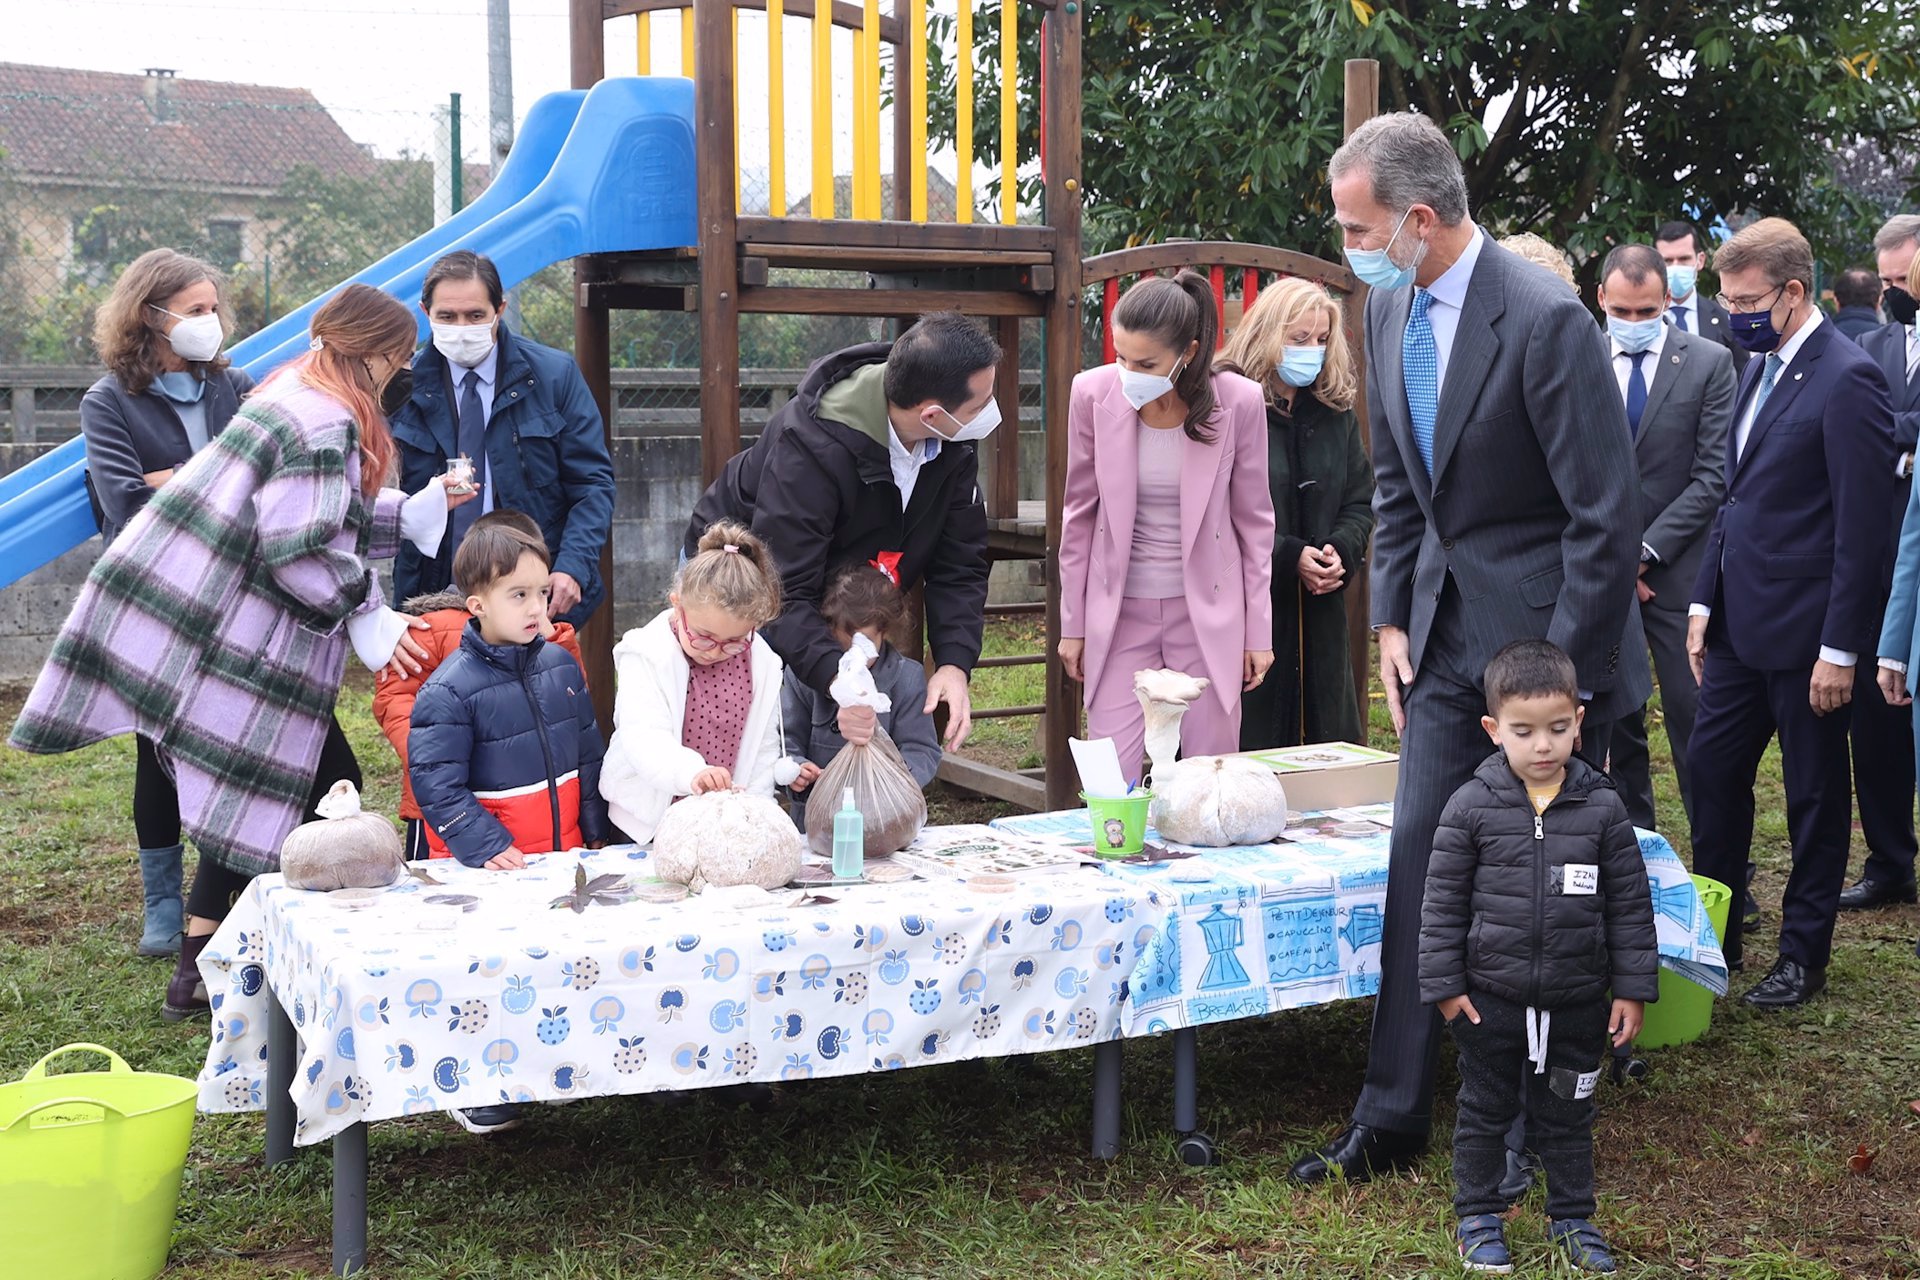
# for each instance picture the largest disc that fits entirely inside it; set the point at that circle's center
(822, 112)
(870, 82)
(776, 112)
(963, 114)
(643, 44)
(917, 103)
(857, 177)
(1009, 110)
(686, 42)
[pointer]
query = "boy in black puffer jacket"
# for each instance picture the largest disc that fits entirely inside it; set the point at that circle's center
(504, 752)
(1536, 904)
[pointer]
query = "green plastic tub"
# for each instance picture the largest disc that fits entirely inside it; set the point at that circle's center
(1119, 823)
(90, 1166)
(1685, 1008)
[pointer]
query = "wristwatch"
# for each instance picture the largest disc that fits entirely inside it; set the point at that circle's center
(1647, 555)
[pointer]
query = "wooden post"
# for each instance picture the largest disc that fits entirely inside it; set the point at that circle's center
(591, 352)
(1060, 52)
(1003, 486)
(719, 246)
(1362, 105)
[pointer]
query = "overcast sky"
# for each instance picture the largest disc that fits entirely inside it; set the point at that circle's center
(383, 66)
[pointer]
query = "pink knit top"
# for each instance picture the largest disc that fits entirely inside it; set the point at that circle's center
(717, 700)
(1154, 570)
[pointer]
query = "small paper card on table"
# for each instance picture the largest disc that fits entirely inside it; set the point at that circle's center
(1099, 764)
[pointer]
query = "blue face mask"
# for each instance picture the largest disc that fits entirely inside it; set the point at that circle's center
(1755, 330)
(1681, 277)
(1379, 271)
(1299, 366)
(181, 387)
(1633, 335)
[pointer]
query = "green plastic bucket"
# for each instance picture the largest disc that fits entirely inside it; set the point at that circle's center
(1685, 1008)
(90, 1166)
(1119, 823)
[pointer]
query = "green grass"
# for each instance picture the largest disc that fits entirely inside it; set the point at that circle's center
(1730, 1162)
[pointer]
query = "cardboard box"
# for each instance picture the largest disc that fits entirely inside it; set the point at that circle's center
(1332, 775)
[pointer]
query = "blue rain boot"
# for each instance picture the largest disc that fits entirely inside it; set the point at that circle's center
(165, 913)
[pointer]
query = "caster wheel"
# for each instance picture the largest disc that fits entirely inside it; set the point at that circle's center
(1196, 1150)
(1636, 1069)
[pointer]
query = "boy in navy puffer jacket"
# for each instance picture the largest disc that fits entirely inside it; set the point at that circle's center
(1537, 945)
(504, 752)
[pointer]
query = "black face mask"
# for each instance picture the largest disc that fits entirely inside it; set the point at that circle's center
(1900, 306)
(398, 391)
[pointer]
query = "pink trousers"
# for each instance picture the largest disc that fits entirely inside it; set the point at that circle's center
(1151, 634)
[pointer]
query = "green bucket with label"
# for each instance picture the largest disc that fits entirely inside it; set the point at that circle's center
(1119, 823)
(1685, 1008)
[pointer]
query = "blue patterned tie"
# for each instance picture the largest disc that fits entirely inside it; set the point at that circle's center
(473, 443)
(1420, 362)
(1636, 393)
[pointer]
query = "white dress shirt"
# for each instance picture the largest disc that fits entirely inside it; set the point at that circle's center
(1691, 304)
(1449, 295)
(905, 463)
(1788, 350)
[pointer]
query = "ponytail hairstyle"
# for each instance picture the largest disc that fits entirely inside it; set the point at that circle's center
(353, 327)
(1177, 313)
(733, 572)
(861, 595)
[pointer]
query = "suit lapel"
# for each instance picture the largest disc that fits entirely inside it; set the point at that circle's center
(1116, 458)
(1475, 345)
(1199, 466)
(1893, 363)
(1672, 360)
(1792, 378)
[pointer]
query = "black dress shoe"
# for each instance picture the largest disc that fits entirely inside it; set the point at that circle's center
(1787, 985)
(1358, 1152)
(1875, 893)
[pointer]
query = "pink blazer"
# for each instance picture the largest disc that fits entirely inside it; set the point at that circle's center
(1226, 524)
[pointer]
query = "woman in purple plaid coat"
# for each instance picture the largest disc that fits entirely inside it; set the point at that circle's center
(217, 624)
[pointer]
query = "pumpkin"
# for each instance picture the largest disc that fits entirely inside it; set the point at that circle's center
(726, 838)
(1217, 801)
(346, 848)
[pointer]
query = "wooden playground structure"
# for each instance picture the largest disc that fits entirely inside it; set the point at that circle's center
(1000, 269)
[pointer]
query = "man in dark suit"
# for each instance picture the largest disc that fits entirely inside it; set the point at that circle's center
(1883, 758)
(1507, 509)
(1690, 310)
(1790, 593)
(1678, 390)
(1856, 295)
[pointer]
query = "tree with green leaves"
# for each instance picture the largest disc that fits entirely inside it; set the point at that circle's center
(1587, 124)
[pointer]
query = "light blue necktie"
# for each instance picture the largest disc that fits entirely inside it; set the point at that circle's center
(1767, 375)
(1420, 364)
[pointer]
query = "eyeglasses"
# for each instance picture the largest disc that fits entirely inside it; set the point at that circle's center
(1746, 306)
(709, 643)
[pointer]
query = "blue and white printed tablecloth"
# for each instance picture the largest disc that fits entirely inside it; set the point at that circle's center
(404, 1007)
(1253, 930)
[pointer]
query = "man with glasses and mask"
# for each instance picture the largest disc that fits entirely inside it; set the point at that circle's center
(522, 416)
(1790, 593)
(873, 460)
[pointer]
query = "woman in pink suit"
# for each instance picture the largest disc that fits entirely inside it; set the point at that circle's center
(1166, 551)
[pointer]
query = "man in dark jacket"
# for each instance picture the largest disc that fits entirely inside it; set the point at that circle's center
(1536, 904)
(523, 415)
(1856, 291)
(873, 459)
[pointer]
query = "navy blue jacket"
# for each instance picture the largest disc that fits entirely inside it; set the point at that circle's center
(1797, 555)
(546, 456)
(494, 719)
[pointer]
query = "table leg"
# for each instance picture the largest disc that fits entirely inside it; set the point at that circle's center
(282, 1060)
(1195, 1148)
(1106, 1100)
(350, 1200)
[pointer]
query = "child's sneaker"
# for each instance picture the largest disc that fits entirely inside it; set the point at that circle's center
(1483, 1244)
(494, 1119)
(1582, 1242)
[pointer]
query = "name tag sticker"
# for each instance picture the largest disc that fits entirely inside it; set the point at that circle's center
(1581, 878)
(1584, 1087)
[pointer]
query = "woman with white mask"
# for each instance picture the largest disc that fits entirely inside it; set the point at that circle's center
(1166, 548)
(1291, 343)
(167, 391)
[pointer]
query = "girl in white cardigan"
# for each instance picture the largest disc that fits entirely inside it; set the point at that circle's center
(698, 706)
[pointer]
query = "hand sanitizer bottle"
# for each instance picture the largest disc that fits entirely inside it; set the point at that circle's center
(849, 840)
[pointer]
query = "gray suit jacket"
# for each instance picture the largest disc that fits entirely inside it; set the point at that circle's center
(1532, 507)
(1682, 454)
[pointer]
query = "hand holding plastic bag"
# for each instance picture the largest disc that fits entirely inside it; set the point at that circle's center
(892, 803)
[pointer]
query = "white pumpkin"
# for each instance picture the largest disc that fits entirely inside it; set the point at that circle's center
(1216, 801)
(726, 838)
(344, 849)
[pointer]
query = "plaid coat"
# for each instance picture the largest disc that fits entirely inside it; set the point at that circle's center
(214, 624)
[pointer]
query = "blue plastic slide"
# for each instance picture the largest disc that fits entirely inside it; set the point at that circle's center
(600, 171)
